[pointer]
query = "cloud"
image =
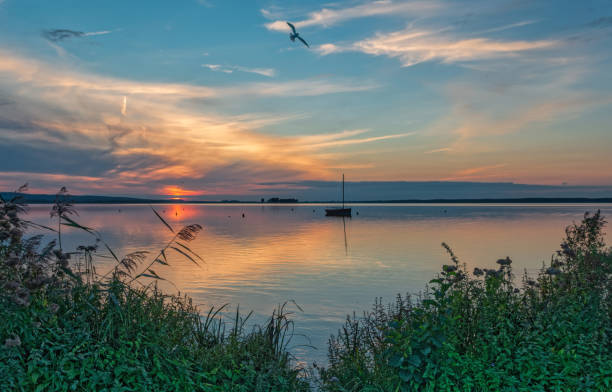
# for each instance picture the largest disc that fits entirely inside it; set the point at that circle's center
(76, 113)
(205, 3)
(437, 150)
(414, 46)
(57, 35)
(46, 76)
(509, 26)
(603, 22)
(296, 88)
(345, 142)
(535, 95)
(479, 169)
(327, 17)
(269, 72)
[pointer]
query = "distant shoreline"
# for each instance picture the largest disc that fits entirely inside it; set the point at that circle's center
(87, 199)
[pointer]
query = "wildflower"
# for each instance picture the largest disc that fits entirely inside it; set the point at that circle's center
(12, 342)
(478, 272)
(505, 261)
(553, 271)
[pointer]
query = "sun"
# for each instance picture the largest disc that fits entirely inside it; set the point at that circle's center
(177, 192)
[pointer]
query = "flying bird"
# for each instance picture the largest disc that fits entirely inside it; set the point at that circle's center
(295, 34)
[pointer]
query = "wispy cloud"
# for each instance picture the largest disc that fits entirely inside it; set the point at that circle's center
(336, 143)
(413, 46)
(47, 76)
(602, 22)
(205, 3)
(57, 35)
(536, 94)
(330, 16)
(437, 150)
(77, 113)
(269, 72)
(474, 170)
(344, 138)
(509, 26)
(124, 106)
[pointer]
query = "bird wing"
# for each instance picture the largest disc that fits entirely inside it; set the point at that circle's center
(292, 27)
(305, 43)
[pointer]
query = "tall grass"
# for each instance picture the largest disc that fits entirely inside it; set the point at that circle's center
(65, 327)
(482, 332)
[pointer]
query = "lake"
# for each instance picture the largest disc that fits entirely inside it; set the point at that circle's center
(330, 266)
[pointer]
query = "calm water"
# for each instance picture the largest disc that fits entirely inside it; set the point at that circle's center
(329, 266)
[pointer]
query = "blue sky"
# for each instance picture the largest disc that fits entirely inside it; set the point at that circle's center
(205, 98)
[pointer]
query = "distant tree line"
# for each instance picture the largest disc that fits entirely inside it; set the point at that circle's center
(279, 200)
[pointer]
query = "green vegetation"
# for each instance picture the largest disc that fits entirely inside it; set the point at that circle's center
(64, 327)
(481, 333)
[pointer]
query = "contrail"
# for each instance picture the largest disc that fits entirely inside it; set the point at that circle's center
(124, 106)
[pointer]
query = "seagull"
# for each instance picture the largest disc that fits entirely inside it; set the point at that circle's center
(295, 34)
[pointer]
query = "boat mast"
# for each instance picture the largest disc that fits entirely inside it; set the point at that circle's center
(342, 190)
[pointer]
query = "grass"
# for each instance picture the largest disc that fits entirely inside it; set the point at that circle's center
(67, 328)
(480, 332)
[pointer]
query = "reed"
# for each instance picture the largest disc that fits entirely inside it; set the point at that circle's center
(65, 327)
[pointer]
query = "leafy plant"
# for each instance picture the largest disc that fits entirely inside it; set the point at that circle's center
(480, 332)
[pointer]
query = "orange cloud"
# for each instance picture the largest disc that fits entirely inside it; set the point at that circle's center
(163, 140)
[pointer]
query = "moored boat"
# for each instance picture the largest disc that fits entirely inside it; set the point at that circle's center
(339, 211)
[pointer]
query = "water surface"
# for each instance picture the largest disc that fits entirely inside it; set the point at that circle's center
(330, 266)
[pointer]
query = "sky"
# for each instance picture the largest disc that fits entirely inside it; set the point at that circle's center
(209, 98)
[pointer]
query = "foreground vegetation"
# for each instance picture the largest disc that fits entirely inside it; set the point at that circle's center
(64, 327)
(478, 332)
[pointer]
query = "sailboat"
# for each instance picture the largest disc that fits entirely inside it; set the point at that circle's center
(339, 211)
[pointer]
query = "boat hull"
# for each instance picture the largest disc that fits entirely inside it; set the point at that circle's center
(338, 212)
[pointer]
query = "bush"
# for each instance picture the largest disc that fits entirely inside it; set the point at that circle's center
(64, 327)
(480, 332)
